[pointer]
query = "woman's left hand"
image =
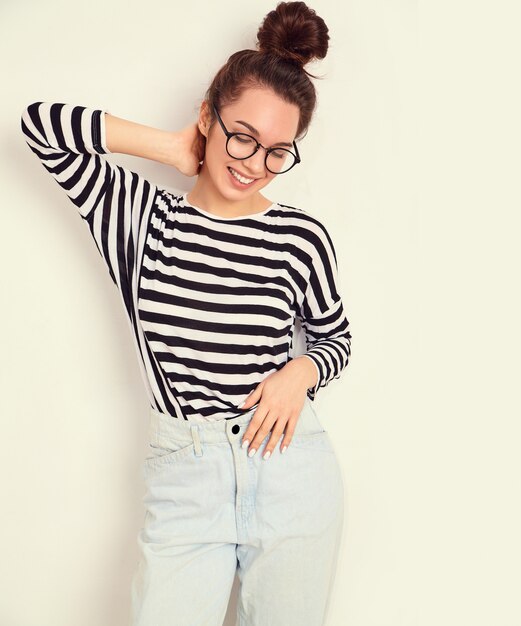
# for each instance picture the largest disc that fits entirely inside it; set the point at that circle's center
(282, 395)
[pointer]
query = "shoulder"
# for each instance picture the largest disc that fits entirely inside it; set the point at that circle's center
(173, 193)
(305, 225)
(169, 199)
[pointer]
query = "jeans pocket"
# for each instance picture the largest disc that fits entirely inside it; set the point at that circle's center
(318, 441)
(163, 452)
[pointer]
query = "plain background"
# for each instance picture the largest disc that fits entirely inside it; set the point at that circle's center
(412, 161)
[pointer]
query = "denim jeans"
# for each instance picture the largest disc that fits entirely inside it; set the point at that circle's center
(211, 511)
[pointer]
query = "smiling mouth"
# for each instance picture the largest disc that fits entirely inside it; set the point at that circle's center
(243, 180)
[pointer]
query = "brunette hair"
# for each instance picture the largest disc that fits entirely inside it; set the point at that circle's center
(289, 37)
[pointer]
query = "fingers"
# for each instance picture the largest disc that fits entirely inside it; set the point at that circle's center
(290, 429)
(255, 432)
(272, 442)
(259, 428)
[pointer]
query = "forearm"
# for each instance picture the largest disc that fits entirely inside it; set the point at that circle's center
(129, 137)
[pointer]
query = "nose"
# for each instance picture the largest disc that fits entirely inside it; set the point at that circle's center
(255, 163)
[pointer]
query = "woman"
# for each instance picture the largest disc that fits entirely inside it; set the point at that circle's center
(212, 281)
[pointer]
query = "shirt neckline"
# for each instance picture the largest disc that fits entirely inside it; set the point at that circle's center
(225, 219)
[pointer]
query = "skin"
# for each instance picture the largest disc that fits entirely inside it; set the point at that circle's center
(282, 394)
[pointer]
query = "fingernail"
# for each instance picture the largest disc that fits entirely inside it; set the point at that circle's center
(241, 404)
(266, 456)
(245, 443)
(252, 452)
(284, 449)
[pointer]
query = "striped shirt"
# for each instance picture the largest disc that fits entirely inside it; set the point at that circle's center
(211, 301)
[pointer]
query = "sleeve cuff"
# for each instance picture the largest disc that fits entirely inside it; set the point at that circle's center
(99, 131)
(313, 390)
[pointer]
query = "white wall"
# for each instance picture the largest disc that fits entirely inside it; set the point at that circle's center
(411, 162)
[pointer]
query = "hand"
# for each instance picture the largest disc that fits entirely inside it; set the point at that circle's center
(282, 396)
(188, 150)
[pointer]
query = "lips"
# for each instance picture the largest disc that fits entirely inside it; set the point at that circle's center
(241, 173)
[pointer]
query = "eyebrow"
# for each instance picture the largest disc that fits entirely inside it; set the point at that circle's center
(256, 132)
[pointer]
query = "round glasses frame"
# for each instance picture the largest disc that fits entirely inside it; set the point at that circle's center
(229, 135)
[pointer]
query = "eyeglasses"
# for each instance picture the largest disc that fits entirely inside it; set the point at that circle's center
(243, 146)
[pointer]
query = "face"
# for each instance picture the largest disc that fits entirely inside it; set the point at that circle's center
(276, 122)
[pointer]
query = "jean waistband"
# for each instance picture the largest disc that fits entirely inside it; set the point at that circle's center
(166, 426)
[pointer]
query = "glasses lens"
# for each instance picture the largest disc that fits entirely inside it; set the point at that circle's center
(242, 146)
(280, 161)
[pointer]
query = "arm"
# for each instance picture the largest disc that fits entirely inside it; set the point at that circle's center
(184, 149)
(139, 140)
(322, 315)
(70, 141)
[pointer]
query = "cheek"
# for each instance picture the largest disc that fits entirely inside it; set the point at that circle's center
(216, 154)
(214, 151)
(269, 178)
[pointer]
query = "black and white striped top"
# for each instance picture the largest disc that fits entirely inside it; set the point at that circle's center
(211, 301)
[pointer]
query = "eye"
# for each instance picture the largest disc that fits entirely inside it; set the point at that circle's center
(280, 154)
(244, 139)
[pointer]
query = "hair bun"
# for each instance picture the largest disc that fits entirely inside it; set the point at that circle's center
(294, 32)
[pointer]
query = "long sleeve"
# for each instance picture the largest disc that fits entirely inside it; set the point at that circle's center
(322, 316)
(70, 142)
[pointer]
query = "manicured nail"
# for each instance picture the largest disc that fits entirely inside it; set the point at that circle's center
(240, 405)
(284, 449)
(252, 452)
(245, 443)
(267, 455)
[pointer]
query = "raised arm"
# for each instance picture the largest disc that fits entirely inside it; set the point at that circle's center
(139, 140)
(70, 141)
(183, 149)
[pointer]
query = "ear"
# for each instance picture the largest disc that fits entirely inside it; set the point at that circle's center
(204, 118)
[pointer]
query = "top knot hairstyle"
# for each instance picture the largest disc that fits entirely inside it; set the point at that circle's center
(289, 37)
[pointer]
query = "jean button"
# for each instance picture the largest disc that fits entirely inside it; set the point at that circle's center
(235, 429)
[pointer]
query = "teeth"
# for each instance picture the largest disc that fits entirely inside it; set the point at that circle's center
(241, 178)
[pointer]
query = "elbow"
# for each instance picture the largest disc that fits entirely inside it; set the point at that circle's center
(32, 127)
(29, 114)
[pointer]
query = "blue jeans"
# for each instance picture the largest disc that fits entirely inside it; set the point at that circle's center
(212, 511)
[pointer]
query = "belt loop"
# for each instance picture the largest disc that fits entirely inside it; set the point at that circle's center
(197, 442)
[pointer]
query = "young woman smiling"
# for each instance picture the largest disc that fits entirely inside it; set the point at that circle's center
(212, 281)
